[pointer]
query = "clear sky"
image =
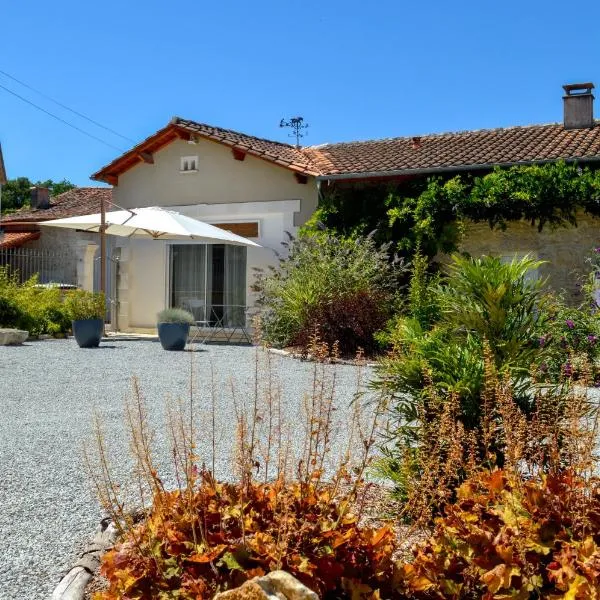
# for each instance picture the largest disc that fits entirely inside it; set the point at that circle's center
(353, 70)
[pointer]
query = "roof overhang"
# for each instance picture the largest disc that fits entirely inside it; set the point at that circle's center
(441, 170)
(143, 153)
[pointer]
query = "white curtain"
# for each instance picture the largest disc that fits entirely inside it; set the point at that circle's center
(192, 282)
(234, 293)
(188, 278)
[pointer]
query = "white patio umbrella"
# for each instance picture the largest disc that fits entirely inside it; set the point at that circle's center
(153, 222)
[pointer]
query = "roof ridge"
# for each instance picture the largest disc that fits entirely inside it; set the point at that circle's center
(176, 121)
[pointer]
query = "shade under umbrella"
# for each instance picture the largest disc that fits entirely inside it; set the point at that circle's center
(153, 222)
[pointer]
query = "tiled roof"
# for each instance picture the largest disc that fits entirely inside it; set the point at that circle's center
(285, 155)
(78, 201)
(467, 149)
(17, 239)
(392, 156)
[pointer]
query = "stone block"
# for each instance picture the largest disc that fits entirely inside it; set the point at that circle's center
(11, 337)
(277, 585)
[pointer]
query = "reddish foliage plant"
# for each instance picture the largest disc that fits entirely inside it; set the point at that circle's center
(189, 547)
(506, 538)
(350, 321)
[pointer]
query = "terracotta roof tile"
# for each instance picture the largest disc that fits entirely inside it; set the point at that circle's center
(78, 201)
(482, 148)
(458, 150)
(283, 154)
(17, 239)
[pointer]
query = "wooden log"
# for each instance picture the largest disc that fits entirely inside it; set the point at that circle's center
(72, 585)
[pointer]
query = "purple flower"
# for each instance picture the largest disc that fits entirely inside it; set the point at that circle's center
(570, 323)
(568, 369)
(592, 339)
(597, 250)
(542, 341)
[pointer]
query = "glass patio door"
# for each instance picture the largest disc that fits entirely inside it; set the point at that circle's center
(209, 280)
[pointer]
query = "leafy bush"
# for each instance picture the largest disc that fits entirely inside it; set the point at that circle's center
(10, 314)
(509, 538)
(570, 337)
(348, 322)
(175, 315)
(81, 304)
(27, 306)
(243, 532)
(428, 214)
(322, 276)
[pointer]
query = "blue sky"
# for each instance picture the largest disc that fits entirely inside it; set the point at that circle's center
(353, 70)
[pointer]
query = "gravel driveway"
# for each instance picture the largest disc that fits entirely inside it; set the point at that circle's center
(48, 392)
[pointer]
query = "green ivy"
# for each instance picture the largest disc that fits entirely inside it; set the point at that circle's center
(430, 214)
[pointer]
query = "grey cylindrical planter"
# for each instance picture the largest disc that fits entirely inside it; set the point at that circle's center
(88, 332)
(173, 336)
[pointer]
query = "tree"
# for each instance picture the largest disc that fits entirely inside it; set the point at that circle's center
(56, 187)
(16, 193)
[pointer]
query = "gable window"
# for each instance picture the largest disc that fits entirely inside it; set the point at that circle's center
(189, 164)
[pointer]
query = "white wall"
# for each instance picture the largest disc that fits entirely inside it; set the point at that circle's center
(220, 180)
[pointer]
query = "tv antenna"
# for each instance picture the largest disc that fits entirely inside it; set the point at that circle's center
(297, 125)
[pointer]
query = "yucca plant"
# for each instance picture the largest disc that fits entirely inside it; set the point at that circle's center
(478, 304)
(497, 301)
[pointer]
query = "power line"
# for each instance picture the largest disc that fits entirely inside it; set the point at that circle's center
(90, 135)
(66, 107)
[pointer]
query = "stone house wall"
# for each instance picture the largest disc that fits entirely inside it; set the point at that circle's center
(564, 249)
(60, 252)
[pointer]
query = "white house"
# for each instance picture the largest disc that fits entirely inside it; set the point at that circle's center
(257, 188)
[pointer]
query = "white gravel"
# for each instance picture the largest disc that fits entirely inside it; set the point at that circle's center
(48, 391)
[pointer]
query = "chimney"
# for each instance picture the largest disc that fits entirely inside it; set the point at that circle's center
(578, 106)
(40, 197)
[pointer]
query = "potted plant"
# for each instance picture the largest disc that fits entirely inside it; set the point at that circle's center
(174, 328)
(87, 310)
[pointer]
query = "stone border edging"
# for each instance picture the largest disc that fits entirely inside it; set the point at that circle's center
(72, 585)
(298, 356)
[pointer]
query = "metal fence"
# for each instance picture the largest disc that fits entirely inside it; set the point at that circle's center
(59, 267)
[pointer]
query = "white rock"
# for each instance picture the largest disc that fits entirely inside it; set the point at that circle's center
(9, 337)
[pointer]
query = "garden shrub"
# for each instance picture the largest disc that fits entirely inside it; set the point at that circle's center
(39, 310)
(506, 537)
(481, 312)
(10, 314)
(571, 339)
(322, 277)
(82, 304)
(349, 322)
(241, 532)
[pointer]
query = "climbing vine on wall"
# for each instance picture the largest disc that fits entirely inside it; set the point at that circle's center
(431, 213)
